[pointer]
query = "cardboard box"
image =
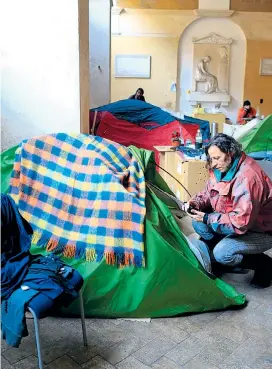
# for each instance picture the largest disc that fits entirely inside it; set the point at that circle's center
(191, 174)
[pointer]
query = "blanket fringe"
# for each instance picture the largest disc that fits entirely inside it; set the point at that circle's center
(90, 254)
(70, 251)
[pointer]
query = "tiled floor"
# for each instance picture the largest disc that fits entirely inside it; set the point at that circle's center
(237, 339)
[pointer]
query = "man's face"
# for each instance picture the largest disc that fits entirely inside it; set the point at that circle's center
(219, 160)
(139, 93)
(247, 107)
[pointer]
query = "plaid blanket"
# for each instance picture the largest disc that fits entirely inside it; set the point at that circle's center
(84, 197)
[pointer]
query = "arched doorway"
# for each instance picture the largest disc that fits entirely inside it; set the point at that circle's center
(200, 28)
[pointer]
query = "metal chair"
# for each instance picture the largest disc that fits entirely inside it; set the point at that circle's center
(37, 328)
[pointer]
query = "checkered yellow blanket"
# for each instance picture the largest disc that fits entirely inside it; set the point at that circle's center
(84, 197)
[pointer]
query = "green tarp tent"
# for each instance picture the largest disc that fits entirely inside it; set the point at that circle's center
(173, 281)
(258, 141)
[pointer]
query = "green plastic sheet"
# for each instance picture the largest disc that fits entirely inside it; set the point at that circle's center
(7, 161)
(258, 141)
(173, 281)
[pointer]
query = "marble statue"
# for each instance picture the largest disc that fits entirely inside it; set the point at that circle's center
(202, 75)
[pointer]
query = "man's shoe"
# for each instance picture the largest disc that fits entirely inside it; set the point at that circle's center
(262, 265)
(219, 269)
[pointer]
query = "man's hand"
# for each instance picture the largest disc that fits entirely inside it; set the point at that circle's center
(185, 206)
(197, 215)
(188, 206)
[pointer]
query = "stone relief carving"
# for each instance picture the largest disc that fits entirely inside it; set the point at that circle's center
(211, 69)
(213, 38)
(202, 75)
(223, 68)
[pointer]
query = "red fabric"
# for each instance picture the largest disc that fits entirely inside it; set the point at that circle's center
(189, 131)
(127, 133)
(242, 114)
(242, 204)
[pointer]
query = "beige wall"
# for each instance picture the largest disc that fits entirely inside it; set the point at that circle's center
(163, 69)
(154, 22)
(242, 5)
(251, 5)
(258, 87)
(256, 26)
(157, 32)
(158, 4)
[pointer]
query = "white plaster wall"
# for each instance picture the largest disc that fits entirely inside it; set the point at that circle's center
(201, 28)
(100, 40)
(40, 71)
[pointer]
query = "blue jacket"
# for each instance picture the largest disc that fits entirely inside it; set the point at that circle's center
(40, 274)
(15, 244)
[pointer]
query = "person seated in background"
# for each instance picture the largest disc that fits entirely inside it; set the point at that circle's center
(139, 95)
(233, 215)
(246, 113)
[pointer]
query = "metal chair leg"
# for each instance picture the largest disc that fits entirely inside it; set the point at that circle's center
(37, 334)
(82, 315)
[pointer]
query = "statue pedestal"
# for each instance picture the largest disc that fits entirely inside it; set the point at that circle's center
(215, 98)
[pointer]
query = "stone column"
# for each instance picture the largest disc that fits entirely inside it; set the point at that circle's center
(100, 52)
(83, 31)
